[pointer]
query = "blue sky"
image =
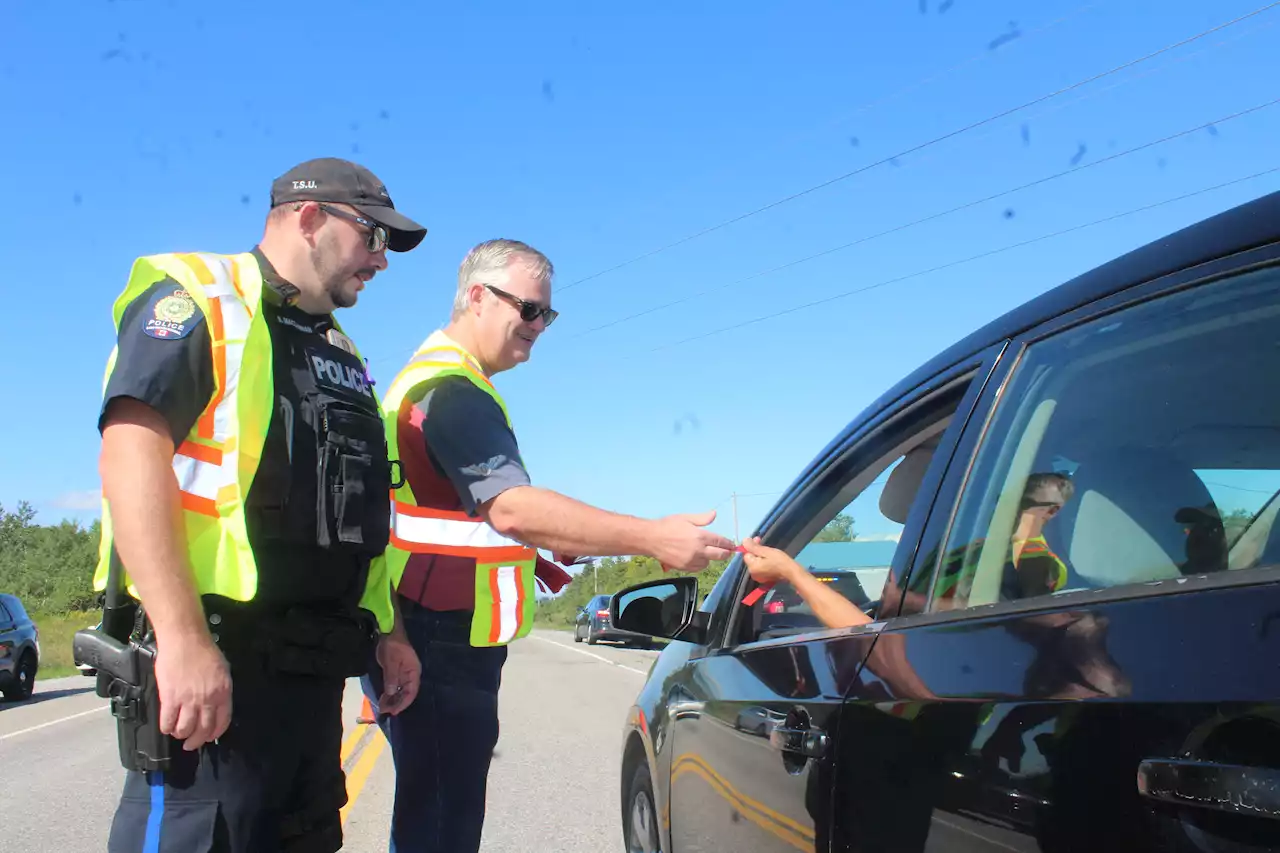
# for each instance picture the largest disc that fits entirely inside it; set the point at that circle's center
(599, 135)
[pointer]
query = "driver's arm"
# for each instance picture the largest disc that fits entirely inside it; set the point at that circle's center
(769, 565)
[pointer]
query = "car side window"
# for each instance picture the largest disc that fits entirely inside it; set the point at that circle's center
(851, 554)
(5, 619)
(850, 529)
(1137, 447)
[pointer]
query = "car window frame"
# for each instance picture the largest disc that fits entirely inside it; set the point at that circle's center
(939, 527)
(784, 524)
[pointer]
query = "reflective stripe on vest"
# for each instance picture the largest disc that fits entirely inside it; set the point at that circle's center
(422, 530)
(216, 463)
(206, 471)
(505, 583)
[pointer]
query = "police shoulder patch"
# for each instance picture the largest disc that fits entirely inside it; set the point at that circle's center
(171, 314)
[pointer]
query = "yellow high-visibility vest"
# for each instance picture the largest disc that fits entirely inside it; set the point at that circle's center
(504, 577)
(216, 463)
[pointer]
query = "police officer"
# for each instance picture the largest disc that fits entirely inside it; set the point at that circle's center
(245, 478)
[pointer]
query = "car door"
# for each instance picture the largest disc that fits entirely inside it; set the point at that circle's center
(754, 713)
(8, 641)
(1094, 622)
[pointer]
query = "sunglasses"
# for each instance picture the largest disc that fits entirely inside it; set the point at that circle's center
(529, 311)
(377, 233)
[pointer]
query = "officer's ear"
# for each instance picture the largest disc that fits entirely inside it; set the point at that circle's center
(310, 217)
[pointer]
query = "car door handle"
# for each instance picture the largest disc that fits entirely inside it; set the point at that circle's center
(1224, 787)
(809, 742)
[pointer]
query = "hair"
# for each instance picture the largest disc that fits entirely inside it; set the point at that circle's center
(490, 263)
(1038, 484)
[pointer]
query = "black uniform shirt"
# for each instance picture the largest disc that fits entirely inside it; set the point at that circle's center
(169, 366)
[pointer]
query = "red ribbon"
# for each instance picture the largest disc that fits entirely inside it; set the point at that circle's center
(756, 594)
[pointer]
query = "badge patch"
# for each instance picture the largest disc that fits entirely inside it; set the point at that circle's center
(484, 469)
(171, 315)
(340, 341)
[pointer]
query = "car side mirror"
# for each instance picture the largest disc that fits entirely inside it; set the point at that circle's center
(663, 608)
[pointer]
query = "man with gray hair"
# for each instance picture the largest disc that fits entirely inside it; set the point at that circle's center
(467, 524)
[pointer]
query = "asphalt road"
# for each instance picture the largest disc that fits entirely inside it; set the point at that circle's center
(553, 785)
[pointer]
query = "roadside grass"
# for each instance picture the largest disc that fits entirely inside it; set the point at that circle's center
(56, 631)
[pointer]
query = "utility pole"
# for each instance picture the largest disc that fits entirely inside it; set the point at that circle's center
(736, 540)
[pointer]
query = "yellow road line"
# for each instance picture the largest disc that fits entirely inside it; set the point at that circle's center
(351, 741)
(360, 773)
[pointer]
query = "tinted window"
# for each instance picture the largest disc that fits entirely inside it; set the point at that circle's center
(1141, 446)
(856, 532)
(5, 618)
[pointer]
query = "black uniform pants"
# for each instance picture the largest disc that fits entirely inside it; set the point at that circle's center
(273, 783)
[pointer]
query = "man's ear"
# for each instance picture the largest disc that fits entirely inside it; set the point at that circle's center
(310, 218)
(475, 295)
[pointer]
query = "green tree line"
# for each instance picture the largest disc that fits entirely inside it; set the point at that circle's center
(49, 567)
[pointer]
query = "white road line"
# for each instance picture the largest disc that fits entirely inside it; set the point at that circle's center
(568, 648)
(54, 722)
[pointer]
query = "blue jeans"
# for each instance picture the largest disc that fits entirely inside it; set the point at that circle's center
(442, 744)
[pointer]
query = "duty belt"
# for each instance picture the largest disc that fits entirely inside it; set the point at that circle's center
(297, 641)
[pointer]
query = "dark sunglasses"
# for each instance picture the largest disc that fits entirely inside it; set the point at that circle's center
(529, 311)
(377, 233)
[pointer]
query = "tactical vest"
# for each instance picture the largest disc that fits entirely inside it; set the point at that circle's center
(216, 463)
(504, 568)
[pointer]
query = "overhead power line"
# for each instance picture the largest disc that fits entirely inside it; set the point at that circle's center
(854, 292)
(920, 147)
(930, 218)
(986, 53)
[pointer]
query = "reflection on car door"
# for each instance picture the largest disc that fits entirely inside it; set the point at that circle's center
(754, 719)
(1095, 649)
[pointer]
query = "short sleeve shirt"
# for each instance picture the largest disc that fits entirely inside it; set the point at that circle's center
(469, 441)
(163, 358)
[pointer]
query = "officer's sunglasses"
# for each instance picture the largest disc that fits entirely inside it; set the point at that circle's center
(377, 233)
(529, 311)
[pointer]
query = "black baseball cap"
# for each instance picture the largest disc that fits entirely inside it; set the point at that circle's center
(343, 182)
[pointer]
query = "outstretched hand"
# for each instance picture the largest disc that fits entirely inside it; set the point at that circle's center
(768, 565)
(682, 543)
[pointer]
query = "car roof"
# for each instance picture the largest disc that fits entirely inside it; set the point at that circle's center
(1242, 228)
(1247, 226)
(1239, 229)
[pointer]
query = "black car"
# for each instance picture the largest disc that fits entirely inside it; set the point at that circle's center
(1076, 646)
(19, 650)
(593, 623)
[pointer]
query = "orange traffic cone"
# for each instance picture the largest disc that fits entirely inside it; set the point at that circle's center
(366, 717)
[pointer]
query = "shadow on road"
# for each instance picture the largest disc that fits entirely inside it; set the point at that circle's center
(44, 696)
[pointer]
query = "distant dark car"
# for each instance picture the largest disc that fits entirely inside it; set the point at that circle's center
(1075, 632)
(593, 624)
(19, 650)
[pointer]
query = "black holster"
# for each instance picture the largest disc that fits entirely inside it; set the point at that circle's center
(126, 674)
